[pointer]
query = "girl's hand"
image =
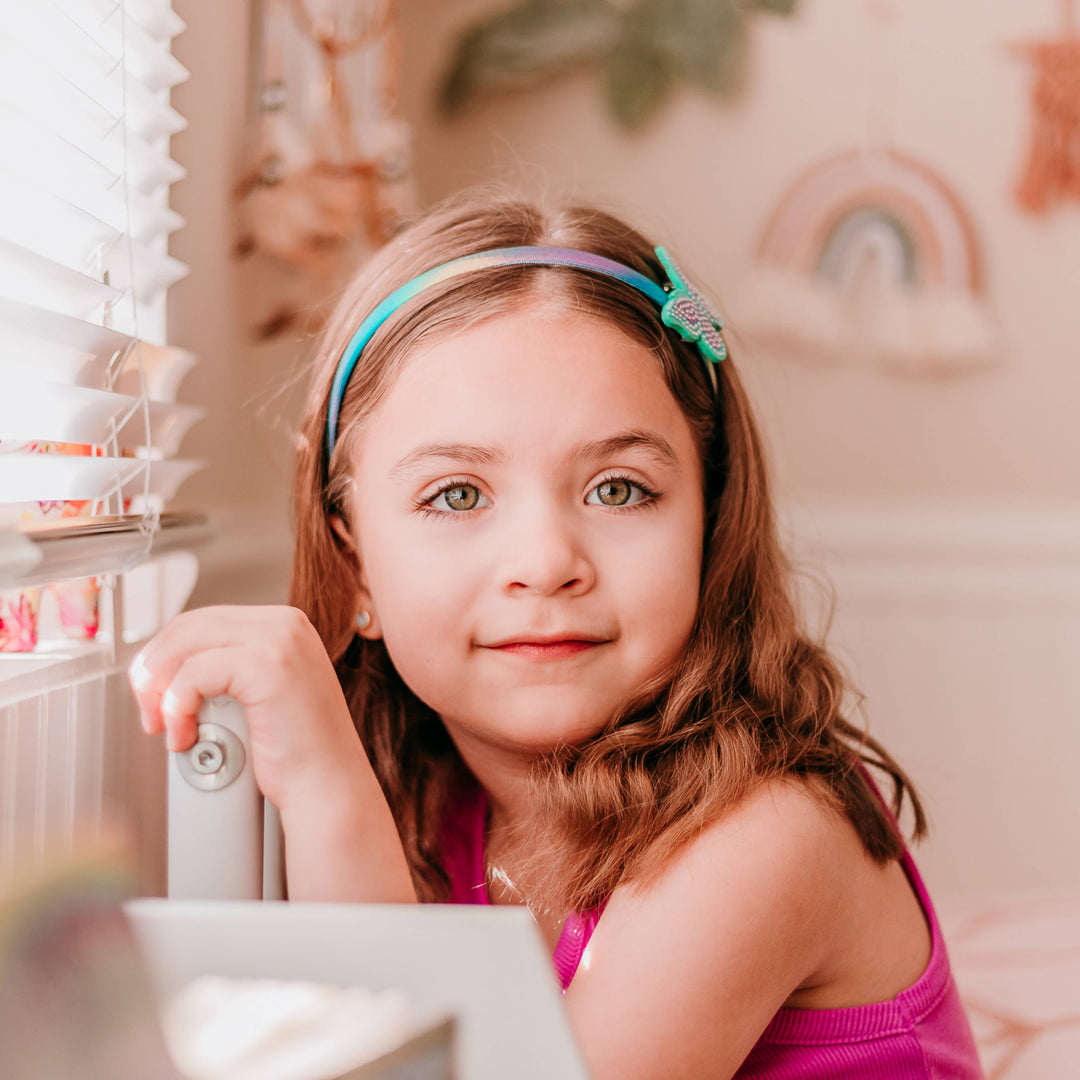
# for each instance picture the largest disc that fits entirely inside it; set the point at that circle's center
(303, 743)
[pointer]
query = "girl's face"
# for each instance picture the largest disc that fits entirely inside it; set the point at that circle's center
(528, 511)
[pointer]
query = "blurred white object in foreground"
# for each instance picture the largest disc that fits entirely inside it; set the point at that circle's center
(269, 1029)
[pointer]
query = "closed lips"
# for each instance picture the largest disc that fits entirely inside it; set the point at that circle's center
(548, 649)
(559, 639)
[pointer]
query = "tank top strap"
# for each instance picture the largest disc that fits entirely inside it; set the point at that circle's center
(918, 997)
(461, 842)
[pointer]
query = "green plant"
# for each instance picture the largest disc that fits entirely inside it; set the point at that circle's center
(642, 46)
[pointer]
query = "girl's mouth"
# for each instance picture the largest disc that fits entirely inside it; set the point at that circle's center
(546, 650)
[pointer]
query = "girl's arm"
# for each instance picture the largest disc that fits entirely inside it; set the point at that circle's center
(680, 978)
(340, 839)
(342, 844)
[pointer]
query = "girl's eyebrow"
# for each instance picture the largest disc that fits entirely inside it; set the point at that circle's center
(654, 444)
(651, 442)
(471, 455)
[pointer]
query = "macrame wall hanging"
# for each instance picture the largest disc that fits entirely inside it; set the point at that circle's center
(1052, 171)
(327, 177)
(870, 260)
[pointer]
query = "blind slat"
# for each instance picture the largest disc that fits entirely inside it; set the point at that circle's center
(89, 113)
(123, 38)
(72, 352)
(33, 411)
(45, 158)
(164, 478)
(168, 426)
(50, 101)
(46, 412)
(149, 115)
(51, 227)
(55, 347)
(153, 271)
(163, 370)
(35, 478)
(57, 231)
(77, 40)
(31, 279)
(156, 17)
(89, 419)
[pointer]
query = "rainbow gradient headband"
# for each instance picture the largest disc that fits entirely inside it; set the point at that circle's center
(682, 307)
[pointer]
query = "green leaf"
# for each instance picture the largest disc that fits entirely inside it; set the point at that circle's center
(704, 42)
(531, 39)
(638, 73)
(775, 7)
(647, 45)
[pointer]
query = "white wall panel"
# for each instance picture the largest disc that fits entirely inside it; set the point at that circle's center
(962, 629)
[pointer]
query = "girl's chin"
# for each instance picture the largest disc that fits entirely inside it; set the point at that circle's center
(533, 731)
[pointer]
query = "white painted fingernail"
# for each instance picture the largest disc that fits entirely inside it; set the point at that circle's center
(139, 673)
(170, 702)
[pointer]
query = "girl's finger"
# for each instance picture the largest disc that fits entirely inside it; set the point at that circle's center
(150, 711)
(155, 666)
(205, 675)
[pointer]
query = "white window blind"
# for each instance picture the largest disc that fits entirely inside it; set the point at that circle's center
(90, 425)
(90, 422)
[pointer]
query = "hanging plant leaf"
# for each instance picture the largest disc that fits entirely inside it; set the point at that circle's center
(638, 73)
(646, 45)
(698, 41)
(774, 7)
(704, 41)
(529, 40)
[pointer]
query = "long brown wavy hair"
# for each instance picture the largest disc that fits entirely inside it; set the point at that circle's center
(753, 697)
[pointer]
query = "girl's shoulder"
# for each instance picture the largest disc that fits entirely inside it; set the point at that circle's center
(783, 847)
(778, 897)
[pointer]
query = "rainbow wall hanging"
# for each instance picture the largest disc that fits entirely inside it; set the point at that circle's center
(870, 260)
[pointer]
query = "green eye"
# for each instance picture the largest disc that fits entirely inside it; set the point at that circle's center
(619, 491)
(614, 492)
(456, 499)
(461, 497)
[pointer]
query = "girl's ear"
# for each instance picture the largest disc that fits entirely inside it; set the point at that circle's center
(368, 624)
(345, 539)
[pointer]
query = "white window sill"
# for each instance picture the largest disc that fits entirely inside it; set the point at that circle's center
(50, 665)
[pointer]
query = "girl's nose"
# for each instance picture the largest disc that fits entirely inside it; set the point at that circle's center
(546, 555)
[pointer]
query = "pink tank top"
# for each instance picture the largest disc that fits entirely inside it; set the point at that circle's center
(921, 1033)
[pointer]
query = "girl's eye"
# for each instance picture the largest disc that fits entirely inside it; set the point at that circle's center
(619, 492)
(456, 497)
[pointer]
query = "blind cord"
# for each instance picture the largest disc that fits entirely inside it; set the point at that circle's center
(149, 521)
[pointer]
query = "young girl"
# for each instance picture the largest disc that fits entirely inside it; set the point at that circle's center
(536, 572)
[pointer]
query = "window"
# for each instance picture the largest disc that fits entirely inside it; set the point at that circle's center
(90, 422)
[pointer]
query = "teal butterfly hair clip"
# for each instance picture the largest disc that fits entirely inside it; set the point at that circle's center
(688, 312)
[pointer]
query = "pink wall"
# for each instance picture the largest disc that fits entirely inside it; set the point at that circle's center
(703, 177)
(947, 512)
(942, 86)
